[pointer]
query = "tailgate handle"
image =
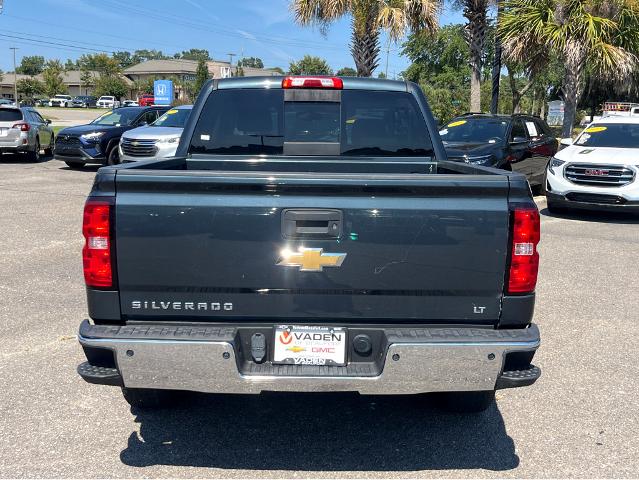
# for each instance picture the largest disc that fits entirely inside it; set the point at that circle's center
(311, 223)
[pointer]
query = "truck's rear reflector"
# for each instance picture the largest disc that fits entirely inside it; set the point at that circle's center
(97, 253)
(313, 82)
(524, 258)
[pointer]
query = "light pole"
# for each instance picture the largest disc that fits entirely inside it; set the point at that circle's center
(15, 76)
(231, 55)
(496, 76)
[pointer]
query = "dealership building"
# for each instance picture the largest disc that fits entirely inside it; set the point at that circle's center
(178, 69)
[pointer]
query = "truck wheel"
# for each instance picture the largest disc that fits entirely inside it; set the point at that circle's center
(74, 165)
(34, 156)
(467, 402)
(149, 398)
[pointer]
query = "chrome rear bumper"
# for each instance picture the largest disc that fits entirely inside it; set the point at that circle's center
(204, 359)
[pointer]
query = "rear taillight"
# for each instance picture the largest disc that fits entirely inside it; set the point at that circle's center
(23, 127)
(524, 258)
(97, 251)
(313, 82)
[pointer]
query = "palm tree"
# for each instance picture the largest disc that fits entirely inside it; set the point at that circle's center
(602, 36)
(369, 18)
(476, 13)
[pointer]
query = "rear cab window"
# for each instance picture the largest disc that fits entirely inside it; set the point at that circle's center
(10, 115)
(353, 123)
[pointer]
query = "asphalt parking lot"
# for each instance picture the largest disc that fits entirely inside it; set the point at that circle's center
(580, 420)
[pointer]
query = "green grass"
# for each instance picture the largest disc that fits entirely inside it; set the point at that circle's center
(57, 128)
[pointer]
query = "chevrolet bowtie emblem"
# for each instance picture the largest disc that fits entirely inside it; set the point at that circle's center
(311, 259)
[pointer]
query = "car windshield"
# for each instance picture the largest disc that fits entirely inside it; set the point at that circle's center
(61, 96)
(175, 117)
(363, 123)
(618, 135)
(474, 130)
(118, 117)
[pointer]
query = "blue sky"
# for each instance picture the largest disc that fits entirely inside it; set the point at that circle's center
(261, 28)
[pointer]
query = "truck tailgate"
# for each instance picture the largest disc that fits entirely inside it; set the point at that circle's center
(210, 245)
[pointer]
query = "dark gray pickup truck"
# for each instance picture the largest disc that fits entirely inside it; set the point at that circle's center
(310, 236)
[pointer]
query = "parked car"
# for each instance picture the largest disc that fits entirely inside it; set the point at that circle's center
(42, 102)
(146, 100)
(322, 243)
(6, 101)
(107, 101)
(521, 143)
(157, 140)
(84, 101)
(23, 130)
(61, 101)
(97, 142)
(599, 170)
(129, 103)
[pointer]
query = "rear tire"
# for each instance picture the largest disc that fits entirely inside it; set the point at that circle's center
(149, 398)
(49, 150)
(75, 165)
(34, 156)
(467, 402)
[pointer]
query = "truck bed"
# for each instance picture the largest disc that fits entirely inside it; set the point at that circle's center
(426, 245)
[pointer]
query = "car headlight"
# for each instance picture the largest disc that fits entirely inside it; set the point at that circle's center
(478, 159)
(555, 163)
(93, 136)
(169, 140)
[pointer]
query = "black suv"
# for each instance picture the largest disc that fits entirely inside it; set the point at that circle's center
(84, 101)
(521, 143)
(97, 142)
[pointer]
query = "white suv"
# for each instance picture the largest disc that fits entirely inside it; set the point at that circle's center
(61, 101)
(599, 170)
(107, 101)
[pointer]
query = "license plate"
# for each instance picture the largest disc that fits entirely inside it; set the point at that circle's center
(307, 345)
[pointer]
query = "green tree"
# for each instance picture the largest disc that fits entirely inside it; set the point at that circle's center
(30, 87)
(369, 18)
(124, 59)
(195, 54)
(201, 76)
(346, 72)
(252, 62)
(310, 65)
(52, 78)
(87, 79)
(145, 55)
(31, 65)
(440, 65)
(476, 28)
(587, 35)
(100, 62)
(111, 85)
(432, 54)
(381, 75)
(70, 65)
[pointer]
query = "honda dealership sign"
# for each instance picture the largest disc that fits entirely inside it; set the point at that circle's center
(163, 92)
